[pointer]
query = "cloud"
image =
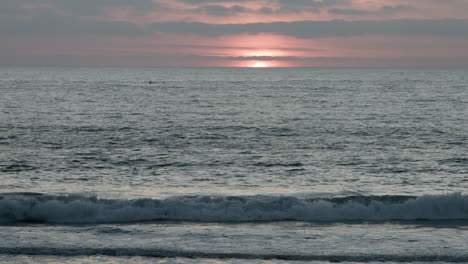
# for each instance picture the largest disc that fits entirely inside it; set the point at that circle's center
(253, 48)
(46, 21)
(214, 7)
(311, 3)
(78, 8)
(197, 2)
(319, 29)
(384, 10)
(396, 9)
(12, 8)
(298, 6)
(217, 10)
(95, 6)
(349, 11)
(261, 58)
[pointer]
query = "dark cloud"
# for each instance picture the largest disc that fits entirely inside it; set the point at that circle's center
(396, 9)
(11, 7)
(311, 3)
(349, 11)
(16, 19)
(79, 8)
(209, 47)
(318, 29)
(298, 6)
(91, 7)
(385, 10)
(217, 10)
(285, 7)
(45, 21)
(197, 2)
(266, 10)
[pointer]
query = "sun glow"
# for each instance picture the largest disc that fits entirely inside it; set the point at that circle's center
(259, 64)
(263, 53)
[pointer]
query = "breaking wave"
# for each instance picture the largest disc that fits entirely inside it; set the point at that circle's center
(84, 209)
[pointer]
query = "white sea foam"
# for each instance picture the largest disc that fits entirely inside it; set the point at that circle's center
(82, 209)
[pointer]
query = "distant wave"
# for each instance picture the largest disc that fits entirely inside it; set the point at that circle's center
(26, 207)
(164, 253)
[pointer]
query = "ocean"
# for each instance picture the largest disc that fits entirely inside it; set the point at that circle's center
(233, 165)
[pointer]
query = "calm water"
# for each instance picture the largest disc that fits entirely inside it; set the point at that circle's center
(233, 165)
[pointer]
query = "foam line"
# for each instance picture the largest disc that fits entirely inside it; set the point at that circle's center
(164, 253)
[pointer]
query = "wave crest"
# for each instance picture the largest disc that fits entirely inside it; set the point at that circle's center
(84, 209)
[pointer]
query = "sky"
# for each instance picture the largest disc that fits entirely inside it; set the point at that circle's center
(234, 33)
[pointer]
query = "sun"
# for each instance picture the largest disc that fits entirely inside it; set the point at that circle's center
(259, 64)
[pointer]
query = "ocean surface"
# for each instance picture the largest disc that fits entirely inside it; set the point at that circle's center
(233, 165)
